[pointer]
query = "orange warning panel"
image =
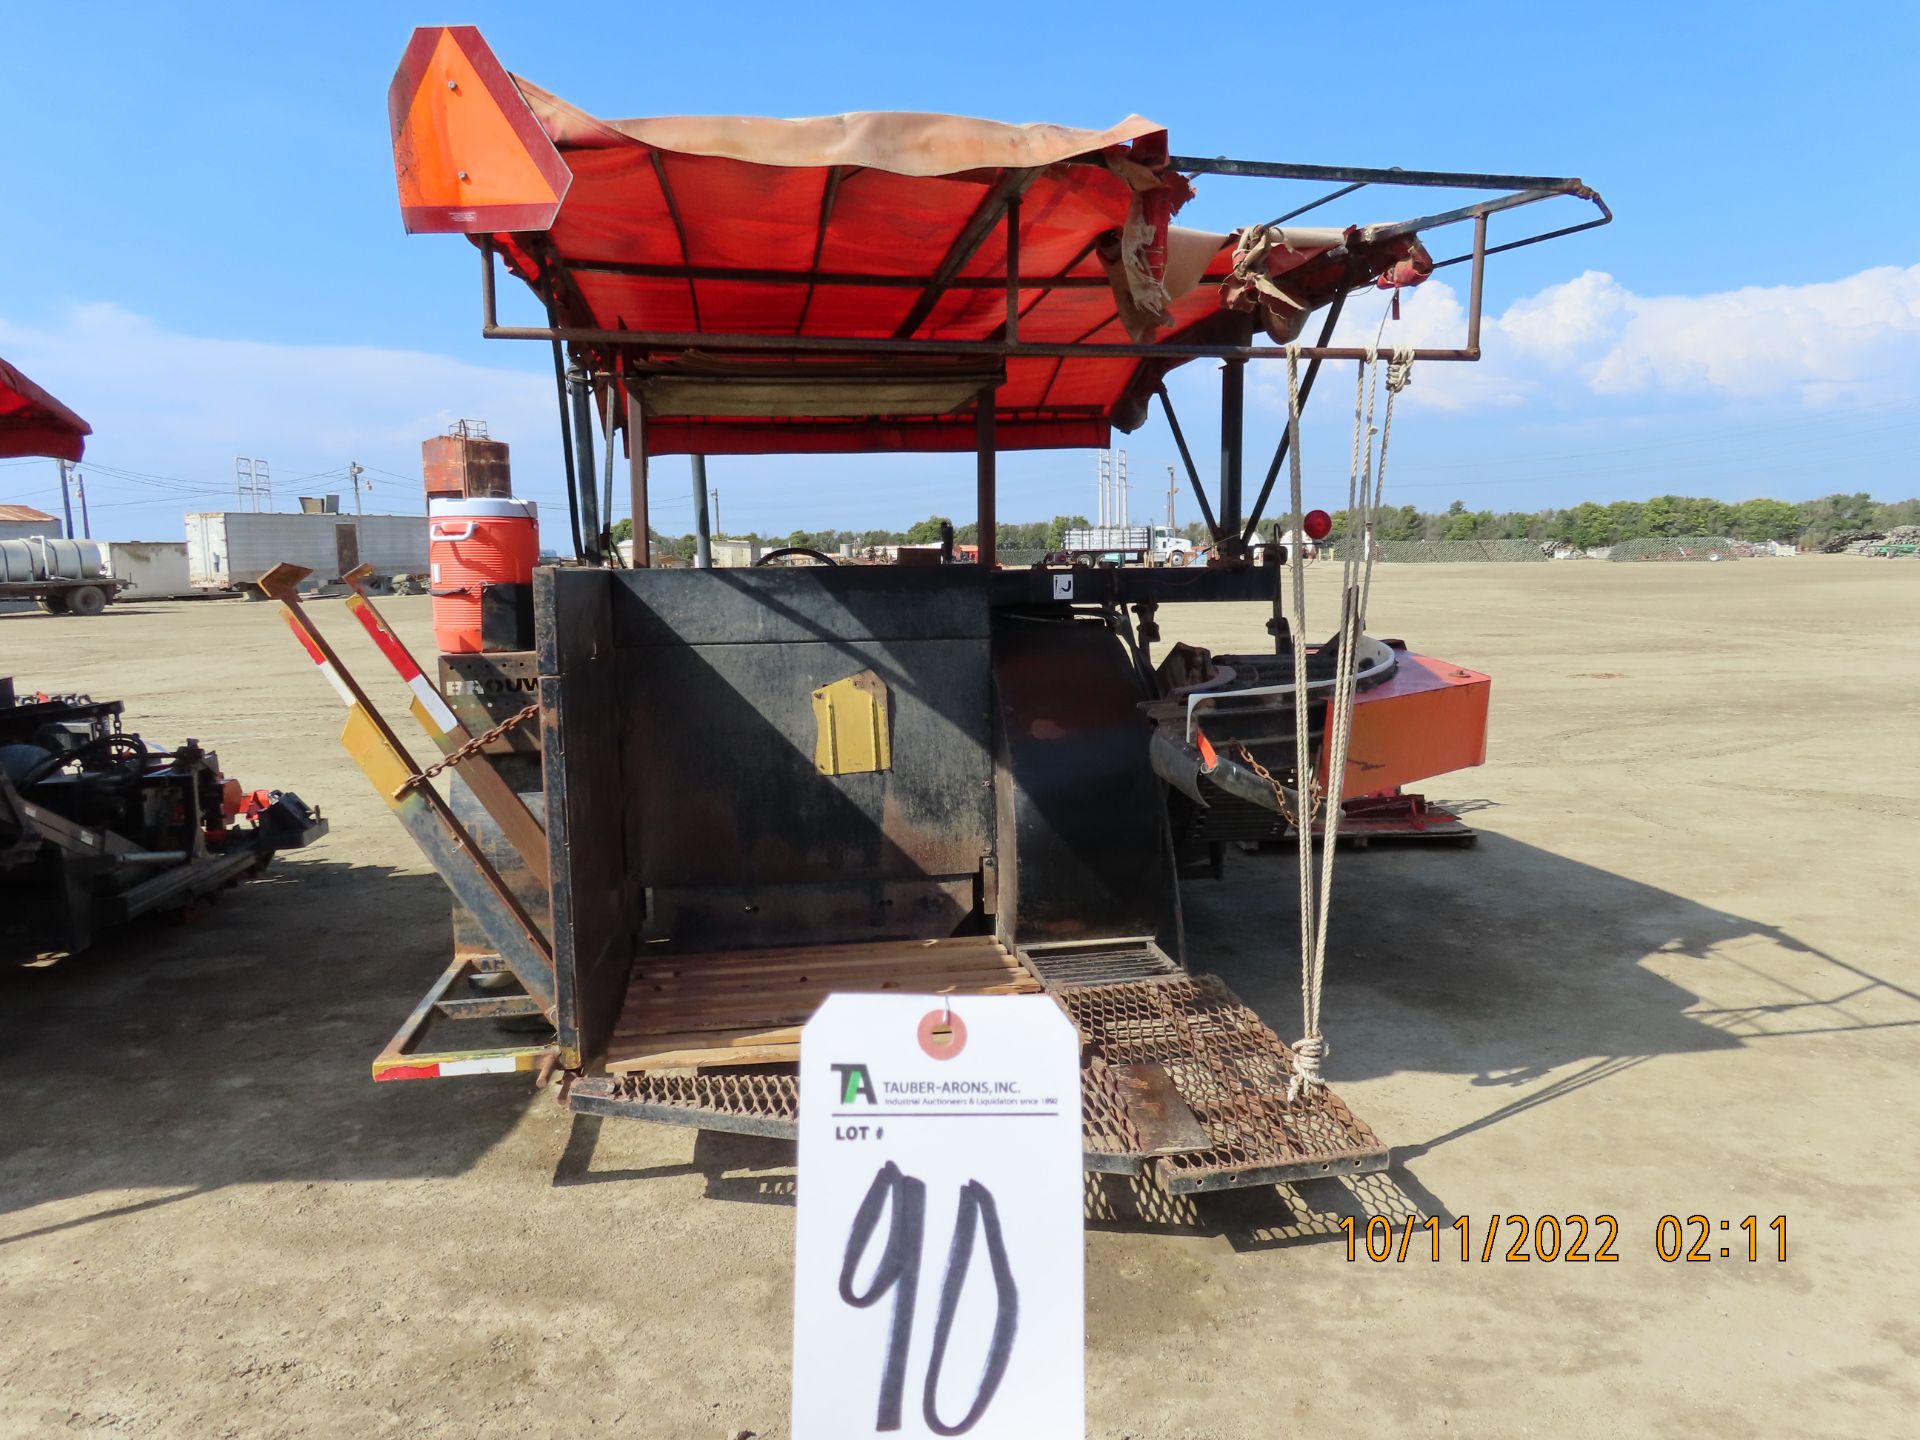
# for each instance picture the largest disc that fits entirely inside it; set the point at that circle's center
(1428, 719)
(468, 155)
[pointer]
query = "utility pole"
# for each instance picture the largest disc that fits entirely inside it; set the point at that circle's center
(66, 501)
(354, 471)
(702, 535)
(1170, 493)
(713, 496)
(1105, 505)
(86, 525)
(1120, 484)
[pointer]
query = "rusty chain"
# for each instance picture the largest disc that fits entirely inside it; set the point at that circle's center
(1239, 752)
(467, 751)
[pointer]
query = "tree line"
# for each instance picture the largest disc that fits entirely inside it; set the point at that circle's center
(1587, 525)
(1591, 524)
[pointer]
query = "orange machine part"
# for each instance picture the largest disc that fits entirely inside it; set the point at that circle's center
(1429, 719)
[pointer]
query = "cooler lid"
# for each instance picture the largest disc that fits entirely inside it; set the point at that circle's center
(482, 509)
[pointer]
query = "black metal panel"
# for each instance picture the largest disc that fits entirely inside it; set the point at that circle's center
(571, 608)
(748, 914)
(596, 898)
(780, 605)
(1079, 807)
(737, 813)
(506, 617)
(1125, 584)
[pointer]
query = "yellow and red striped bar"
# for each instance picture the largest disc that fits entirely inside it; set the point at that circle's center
(401, 658)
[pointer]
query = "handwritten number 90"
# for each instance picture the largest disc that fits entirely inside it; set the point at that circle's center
(899, 1272)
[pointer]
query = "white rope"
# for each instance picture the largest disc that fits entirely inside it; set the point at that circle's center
(1366, 484)
(1311, 1049)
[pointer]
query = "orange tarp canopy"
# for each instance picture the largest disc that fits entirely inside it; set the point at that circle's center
(836, 226)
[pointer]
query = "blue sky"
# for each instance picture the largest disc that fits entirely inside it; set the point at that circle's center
(202, 252)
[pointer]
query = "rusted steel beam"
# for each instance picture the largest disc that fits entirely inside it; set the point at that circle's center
(1340, 174)
(1373, 234)
(1011, 331)
(488, 1007)
(679, 228)
(829, 194)
(501, 802)
(401, 1059)
(1005, 191)
(637, 476)
(984, 478)
(453, 851)
(677, 340)
(747, 276)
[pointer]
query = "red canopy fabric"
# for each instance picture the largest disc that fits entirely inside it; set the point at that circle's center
(838, 227)
(32, 422)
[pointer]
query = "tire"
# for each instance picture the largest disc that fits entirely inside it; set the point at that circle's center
(1176, 559)
(54, 604)
(1082, 557)
(87, 600)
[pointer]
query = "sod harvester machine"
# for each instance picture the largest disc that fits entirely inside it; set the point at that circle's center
(694, 802)
(98, 827)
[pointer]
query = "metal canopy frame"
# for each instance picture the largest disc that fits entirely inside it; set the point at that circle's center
(1230, 523)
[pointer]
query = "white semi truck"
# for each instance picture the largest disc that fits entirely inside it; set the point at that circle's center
(1124, 545)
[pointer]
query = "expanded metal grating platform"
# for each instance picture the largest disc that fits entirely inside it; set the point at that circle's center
(746, 1099)
(1180, 1081)
(1231, 1072)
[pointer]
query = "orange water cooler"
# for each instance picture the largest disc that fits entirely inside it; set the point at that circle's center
(480, 559)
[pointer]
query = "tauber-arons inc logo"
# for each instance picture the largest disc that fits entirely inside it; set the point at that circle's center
(855, 1081)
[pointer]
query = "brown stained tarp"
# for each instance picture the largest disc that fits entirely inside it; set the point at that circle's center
(32, 422)
(898, 142)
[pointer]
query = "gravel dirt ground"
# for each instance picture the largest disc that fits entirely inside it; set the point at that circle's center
(1676, 976)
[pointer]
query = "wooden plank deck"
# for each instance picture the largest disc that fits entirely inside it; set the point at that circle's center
(746, 1007)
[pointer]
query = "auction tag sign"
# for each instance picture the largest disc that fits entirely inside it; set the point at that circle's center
(938, 1279)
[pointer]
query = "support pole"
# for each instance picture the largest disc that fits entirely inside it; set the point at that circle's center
(607, 552)
(637, 479)
(66, 498)
(1233, 396)
(1013, 271)
(983, 443)
(1186, 459)
(702, 535)
(1478, 285)
(580, 399)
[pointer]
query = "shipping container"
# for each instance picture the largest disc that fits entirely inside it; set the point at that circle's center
(150, 569)
(231, 549)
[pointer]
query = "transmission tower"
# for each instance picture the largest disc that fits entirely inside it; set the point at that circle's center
(252, 483)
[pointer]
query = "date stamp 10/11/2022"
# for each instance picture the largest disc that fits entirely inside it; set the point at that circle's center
(1595, 1239)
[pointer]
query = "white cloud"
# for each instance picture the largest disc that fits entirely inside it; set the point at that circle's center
(1849, 341)
(179, 405)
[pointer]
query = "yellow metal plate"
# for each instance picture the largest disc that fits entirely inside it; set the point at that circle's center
(850, 717)
(369, 748)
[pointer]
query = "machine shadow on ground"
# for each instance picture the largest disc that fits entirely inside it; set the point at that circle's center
(232, 1048)
(229, 1050)
(1523, 976)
